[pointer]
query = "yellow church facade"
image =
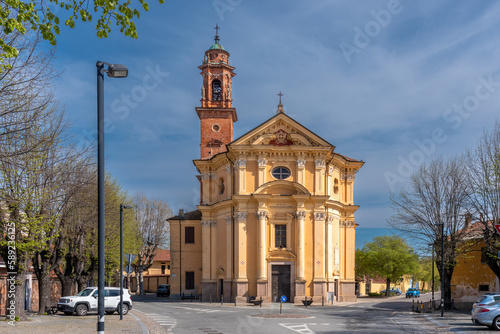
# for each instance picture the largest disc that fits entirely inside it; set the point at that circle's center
(276, 213)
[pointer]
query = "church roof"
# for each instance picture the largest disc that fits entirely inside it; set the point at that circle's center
(217, 46)
(286, 117)
(191, 215)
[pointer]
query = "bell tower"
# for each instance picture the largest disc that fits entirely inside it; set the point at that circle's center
(216, 113)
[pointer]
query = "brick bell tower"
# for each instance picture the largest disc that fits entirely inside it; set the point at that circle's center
(216, 112)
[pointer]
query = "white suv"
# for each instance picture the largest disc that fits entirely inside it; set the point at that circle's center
(86, 300)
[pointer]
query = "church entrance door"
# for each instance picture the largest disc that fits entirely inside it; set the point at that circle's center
(280, 282)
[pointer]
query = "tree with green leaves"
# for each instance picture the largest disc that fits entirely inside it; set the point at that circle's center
(388, 257)
(47, 16)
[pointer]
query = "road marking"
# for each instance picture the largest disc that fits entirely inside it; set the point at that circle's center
(202, 310)
(164, 320)
(303, 329)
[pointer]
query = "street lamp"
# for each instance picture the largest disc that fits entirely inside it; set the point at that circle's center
(114, 71)
(442, 269)
(432, 273)
(121, 256)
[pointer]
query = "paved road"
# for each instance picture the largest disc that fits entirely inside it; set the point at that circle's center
(370, 315)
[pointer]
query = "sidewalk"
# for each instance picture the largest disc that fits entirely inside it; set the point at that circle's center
(134, 322)
(458, 321)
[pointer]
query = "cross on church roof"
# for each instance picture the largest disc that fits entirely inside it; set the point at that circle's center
(280, 95)
(217, 33)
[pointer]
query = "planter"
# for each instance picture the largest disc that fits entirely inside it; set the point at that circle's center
(307, 302)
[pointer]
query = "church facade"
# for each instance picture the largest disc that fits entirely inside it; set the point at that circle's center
(276, 213)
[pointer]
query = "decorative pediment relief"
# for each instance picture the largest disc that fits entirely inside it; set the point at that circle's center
(281, 255)
(281, 131)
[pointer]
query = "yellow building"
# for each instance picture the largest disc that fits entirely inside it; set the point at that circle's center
(472, 277)
(276, 215)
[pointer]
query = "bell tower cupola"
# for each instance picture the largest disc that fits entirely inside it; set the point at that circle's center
(216, 113)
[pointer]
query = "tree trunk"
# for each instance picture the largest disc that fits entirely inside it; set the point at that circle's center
(423, 286)
(387, 286)
(43, 294)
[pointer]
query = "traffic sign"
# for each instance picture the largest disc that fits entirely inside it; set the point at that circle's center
(497, 226)
(283, 298)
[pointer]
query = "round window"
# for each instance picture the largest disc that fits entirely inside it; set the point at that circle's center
(281, 173)
(215, 128)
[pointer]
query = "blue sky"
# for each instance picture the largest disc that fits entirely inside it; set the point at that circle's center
(393, 83)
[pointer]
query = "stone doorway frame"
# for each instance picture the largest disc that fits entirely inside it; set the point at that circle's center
(270, 278)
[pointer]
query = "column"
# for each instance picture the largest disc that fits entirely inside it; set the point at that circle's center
(205, 188)
(301, 164)
(261, 162)
(208, 284)
(261, 255)
(213, 249)
(241, 168)
(319, 177)
(240, 251)
(229, 258)
(301, 216)
(319, 281)
(330, 253)
(205, 245)
(229, 183)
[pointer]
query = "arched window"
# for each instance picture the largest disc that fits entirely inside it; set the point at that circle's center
(216, 90)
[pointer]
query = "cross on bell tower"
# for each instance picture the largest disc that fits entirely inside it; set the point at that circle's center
(216, 113)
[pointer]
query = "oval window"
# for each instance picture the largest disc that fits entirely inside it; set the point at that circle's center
(281, 173)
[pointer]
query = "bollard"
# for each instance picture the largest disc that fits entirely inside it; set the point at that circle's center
(234, 300)
(413, 305)
(305, 298)
(322, 300)
(421, 307)
(221, 300)
(281, 306)
(453, 304)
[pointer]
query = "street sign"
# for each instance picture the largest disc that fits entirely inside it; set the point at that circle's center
(497, 226)
(283, 299)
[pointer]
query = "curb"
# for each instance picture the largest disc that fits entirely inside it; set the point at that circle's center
(144, 329)
(435, 322)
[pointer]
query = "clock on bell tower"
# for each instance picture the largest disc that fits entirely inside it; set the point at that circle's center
(216, 112)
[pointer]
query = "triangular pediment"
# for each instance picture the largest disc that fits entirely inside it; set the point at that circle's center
(281, 130)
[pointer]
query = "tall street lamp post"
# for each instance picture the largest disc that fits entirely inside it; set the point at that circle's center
(432, 273)
(121, 257)
(442, 270)
(114, 71)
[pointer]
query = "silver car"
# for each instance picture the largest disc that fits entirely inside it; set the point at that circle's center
(486, 311)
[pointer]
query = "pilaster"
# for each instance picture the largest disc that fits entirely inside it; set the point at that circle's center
(240, 250)
(301, 166)
(319, 177)
(229, 247)
(241, 168)
(206, 248)
(261, 178)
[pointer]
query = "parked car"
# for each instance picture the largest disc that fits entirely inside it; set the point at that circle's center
(86, 300)
(486, 310)
(412, 292)
(163, 290)
(395, 291)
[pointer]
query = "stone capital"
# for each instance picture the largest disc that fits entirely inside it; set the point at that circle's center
(319, 216)
(206, 223)
(205, 176)
(261, 214)
(301, 163)
(300, 215)
(240, 215)
(240, 163)
(228, 169)
(228, 219)
(320, 163)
